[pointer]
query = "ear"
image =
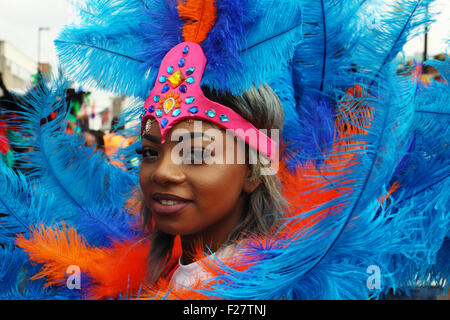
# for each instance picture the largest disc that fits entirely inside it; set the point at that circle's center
(250, 184)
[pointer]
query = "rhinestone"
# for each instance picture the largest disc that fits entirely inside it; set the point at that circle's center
(168, 105)
(189, 100)
(211, 113)
(159, 113)
(164, 123)
(156, 98)
(169, 69)
(186, 50)
(190, 80)
(162, 79)
(176, 79)
(148, 126)
(176, 112)
(183, 88)
(182, 62)
(165, 88)
(193, 110)
(151, 109)
(224, 118)
(190, 71)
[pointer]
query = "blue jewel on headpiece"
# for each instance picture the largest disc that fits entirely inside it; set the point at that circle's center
(164, 123)
(183, 88)
(176, 112)
(190, 80)
(190, 71)
(224, 118)
(186, 50)
(169, 69)
(165, 88)
(193, 110)
(156, 98)
(182, 62)
(189, 100)
(151, 109)
(211, 113)
(159, 113)
(162, 79)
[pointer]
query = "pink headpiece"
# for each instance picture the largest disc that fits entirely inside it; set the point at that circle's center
(177, 96)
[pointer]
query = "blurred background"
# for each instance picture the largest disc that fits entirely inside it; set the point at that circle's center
(27, 31)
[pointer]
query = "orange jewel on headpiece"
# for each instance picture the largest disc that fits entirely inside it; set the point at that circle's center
(170, 101)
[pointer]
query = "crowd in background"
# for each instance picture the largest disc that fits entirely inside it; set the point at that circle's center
(13, 105)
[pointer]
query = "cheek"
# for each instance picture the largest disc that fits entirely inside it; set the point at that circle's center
(219, 188)
(144, 179)
(215, 192)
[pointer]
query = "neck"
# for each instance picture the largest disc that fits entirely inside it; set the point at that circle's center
(213, 237)
(194, 246)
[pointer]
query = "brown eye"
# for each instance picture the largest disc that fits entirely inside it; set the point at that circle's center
(147, 153)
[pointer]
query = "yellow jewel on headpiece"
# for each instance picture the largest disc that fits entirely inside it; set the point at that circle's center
(169, 102)
(176, 79)
(168, 105)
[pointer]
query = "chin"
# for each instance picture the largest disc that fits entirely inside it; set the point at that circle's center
(176, 229)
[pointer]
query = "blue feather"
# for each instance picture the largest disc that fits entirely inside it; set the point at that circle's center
(106, 53)
(396, 24)
(321, 61)
(429, 160)
(263, 43)
(24, 205)
(314, 131)
(403, 235)
(442, 66)
(321, 72)
(84, 182)
(365, 232)
(14, 283)
(376, 235)
(224, 41)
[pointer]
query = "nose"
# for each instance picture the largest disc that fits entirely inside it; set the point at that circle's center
(167, 171)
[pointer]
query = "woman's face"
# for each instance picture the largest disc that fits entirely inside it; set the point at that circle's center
(210, 197)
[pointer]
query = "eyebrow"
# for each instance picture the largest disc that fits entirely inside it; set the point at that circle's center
(151, 138)
(191, 135)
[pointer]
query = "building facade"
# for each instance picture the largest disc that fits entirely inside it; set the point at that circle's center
(16, 67)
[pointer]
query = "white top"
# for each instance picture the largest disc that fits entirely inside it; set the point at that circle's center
(187, 275)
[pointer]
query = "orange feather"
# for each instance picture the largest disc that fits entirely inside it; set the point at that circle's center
(304, 192)
(57, 249)
(199, 16)
(122, 267)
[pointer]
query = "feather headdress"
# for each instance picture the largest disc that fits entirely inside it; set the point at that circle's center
(363, 166)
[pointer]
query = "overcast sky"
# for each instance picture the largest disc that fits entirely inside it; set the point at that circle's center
(21, 19)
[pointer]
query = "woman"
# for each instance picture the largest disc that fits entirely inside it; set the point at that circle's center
(215, 204)
(345, 153)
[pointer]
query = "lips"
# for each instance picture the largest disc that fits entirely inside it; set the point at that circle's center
(168, 204)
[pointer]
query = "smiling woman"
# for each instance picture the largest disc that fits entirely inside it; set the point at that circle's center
(210, 206)
(362, 180)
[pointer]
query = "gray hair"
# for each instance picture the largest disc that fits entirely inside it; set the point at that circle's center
(263, 109)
